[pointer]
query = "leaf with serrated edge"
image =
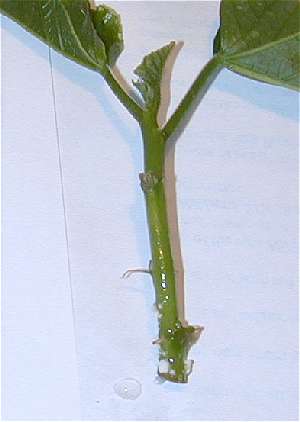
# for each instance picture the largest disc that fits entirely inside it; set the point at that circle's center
(260, 39)
(64, 25)
(150, 73)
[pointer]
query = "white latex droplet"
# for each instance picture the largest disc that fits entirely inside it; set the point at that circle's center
(128, 388)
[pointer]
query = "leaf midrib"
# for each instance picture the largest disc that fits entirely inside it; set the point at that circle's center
(261, 48)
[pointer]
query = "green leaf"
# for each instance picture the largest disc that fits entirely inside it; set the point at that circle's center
(108, 25)
(260, 39)
(64, 25)
(150, 73)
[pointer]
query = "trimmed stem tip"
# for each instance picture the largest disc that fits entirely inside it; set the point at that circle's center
(175, 344)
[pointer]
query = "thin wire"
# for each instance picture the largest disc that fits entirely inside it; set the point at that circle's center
(64, 209)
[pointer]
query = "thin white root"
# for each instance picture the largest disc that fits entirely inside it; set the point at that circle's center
(157, 341)
(128, 273)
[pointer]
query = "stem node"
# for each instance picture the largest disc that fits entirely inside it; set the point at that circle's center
(148, 181)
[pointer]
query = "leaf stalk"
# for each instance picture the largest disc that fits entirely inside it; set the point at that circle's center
(196, 92)
(128, 102)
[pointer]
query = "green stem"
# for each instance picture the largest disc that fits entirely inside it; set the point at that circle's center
(175, 336)
(174, 339)
(135, 110)
(196, 91)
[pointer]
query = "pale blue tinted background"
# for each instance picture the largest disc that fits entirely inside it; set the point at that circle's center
(237, 172)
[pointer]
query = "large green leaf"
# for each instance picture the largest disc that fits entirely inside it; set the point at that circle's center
(260, 39)
(65, 25)
(150, 73)
(109, 28)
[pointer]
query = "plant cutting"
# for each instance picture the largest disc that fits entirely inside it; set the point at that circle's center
(256, 39)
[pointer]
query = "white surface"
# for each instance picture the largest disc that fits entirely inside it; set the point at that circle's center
(38, 353)
(236, 168)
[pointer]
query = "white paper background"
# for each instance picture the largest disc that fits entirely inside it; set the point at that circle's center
(236, 167)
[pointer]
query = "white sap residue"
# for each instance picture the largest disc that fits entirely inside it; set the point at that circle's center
(128, 388)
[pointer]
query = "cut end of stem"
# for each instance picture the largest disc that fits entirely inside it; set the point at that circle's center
(175, 372)
(174, 365)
